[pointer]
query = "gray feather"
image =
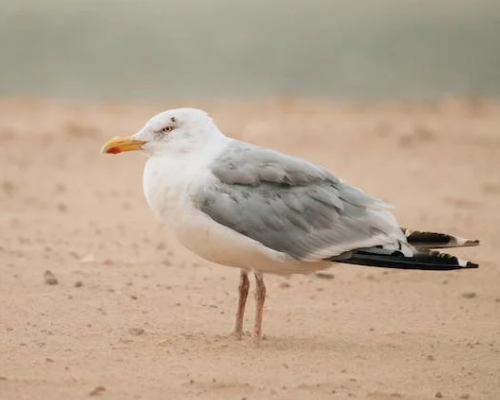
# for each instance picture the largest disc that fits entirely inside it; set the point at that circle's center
(245, 164)
(288, 204)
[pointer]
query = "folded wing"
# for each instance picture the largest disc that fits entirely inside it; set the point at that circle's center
(293, 206)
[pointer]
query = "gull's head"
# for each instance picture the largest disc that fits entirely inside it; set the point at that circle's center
(181, 130)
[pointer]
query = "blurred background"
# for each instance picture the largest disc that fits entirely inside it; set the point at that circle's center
(153, 49)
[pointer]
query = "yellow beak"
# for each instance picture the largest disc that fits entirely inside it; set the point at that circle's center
(121, 144)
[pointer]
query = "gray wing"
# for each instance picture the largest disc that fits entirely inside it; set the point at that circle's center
(292, 206)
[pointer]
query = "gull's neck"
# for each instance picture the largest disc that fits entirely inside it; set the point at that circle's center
(171, 173)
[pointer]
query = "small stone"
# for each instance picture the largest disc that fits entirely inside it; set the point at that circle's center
(465, 396)
(97, 391)
(284, 285)
(50, 278)
(73, 254)
(424, 133)
(78, 284)
(439, 395)
(430, 357)
(8, 187)
(324, 275)
(60, 188)
(108, 261)
(469, 295)
(50, 360)
(406, 141)
(136, 331)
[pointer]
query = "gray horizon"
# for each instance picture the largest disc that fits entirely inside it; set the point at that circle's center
(220, 48)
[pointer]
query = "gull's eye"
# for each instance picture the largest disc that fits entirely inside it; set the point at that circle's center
(167, 129)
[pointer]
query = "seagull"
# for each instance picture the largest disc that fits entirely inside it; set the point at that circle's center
(264, 212)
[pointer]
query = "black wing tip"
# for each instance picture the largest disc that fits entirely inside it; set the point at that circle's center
(424, 239)
(471, 265)
(427, 261)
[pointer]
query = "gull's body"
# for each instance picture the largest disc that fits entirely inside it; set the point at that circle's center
(243, 206)
(172, 202)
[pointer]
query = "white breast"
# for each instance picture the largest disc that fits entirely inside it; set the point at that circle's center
(163, 190)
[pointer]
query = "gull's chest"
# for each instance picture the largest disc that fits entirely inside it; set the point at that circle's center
(165, 184)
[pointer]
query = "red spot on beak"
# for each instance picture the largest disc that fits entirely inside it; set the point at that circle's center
(114, 150)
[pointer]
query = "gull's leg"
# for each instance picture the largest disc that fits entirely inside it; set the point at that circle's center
(260, 297)
(242, 300)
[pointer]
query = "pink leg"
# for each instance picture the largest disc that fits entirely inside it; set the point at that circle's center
(260, 297)
(242, 300)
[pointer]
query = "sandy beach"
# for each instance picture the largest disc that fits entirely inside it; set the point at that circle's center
(97, 300)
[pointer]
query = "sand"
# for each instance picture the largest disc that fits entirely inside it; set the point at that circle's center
(126, 313)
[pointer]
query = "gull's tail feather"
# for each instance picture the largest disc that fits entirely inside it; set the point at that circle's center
(422, 260)
(432, 240)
